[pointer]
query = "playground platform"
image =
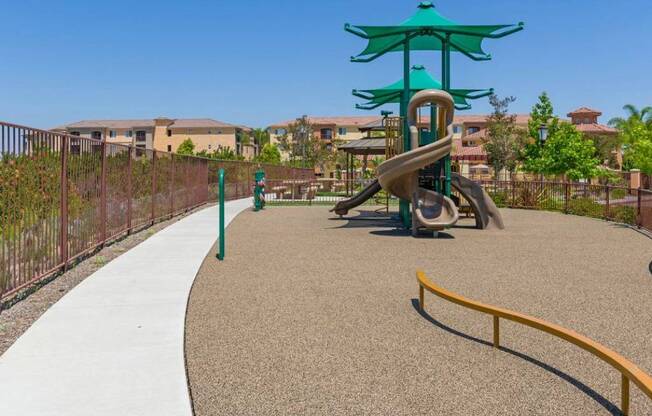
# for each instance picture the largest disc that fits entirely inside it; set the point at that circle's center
(114, 344)
(315, 315)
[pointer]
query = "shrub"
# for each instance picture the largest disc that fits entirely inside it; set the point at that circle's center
(585, 207)
(618, 193)
(500, 198)
(624, 214)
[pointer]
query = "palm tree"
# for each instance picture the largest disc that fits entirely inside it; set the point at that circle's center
(261, 137)
(635, 116)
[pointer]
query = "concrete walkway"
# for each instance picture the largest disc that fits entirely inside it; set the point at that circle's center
(115, 344)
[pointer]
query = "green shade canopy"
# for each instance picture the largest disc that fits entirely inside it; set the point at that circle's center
(426, 30)
(420, 79)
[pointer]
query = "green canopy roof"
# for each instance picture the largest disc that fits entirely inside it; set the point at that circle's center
(426, 29)
(420, 79)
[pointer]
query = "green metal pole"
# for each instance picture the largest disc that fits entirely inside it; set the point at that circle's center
(220, 175)
(446, 82)
(404, 206)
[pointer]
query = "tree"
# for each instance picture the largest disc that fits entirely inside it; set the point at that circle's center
(305, 148)
(635, 132)
(542, 115)
(568, 152)
(261, 137)
(502, 142)
(187, 147)
(269, 154)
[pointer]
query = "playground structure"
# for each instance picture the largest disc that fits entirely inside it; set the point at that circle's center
(427, 30)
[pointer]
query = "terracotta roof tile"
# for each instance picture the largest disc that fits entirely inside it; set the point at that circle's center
(585, 110)
(595, 129)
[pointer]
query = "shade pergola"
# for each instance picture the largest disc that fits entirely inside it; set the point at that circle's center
(420, 80)
(427, 30)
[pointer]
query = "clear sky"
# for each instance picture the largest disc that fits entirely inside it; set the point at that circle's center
(256, 62)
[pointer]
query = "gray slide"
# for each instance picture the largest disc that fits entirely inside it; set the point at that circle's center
(343, 207)
(484, 209)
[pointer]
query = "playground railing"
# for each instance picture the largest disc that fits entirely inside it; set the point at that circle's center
(64, 196)
(629, 372)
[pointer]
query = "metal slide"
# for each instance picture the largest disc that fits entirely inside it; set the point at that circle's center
(343, 207)
(400, 175)
(484, 209)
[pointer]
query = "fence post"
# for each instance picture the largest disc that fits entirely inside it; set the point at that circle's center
(513, 193)
(103, 198)
(172, 188)
(63, 238)
(130, 190)
(566, 196)
(220, 175)
(153, 214)
(606, 205)
(639, 217)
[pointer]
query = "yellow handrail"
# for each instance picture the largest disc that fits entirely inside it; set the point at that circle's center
(628, 370)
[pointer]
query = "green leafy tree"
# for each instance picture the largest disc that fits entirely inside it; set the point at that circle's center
(502, 143)
(261, 137)
(568, 152)
(269, 154)
(635, 133)
(187, 147)
(305, 148)
(542, 114)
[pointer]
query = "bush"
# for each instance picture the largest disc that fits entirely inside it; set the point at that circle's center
(618, 193)
(500, 198)
(585, 207)
(624, 214)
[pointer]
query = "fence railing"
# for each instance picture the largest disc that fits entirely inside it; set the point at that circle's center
(613, 203)
(629, 371)
(63, 196)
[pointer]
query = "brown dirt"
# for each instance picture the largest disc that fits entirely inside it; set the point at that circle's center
(312, 315)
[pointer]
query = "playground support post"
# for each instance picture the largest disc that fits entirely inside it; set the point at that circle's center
(404, 206)
(446, 84)
(220, 175)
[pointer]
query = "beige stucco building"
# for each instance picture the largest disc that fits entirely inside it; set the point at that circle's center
(166, 134)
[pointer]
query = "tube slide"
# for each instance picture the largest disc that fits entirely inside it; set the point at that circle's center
(400, 175)
(343, 207)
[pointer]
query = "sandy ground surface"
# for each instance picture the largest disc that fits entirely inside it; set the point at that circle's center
(314, 315)
(29, 305)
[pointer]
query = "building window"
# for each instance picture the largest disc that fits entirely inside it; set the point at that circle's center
(280, 132)
(97, 135)
(141, 139)
(210, 147)
(457, 129)
(129, 133)
(74, 133)
(169, 147)
(169, 133)
(341, 131)
(326, 134)
(112, 134)
(472, 130)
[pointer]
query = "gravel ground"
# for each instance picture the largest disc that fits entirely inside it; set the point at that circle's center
(19, 317)
(314, 315)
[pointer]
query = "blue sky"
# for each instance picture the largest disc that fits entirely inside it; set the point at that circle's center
(255, 62)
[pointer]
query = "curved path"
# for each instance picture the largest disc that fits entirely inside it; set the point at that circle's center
(314, 315)
(114, 344)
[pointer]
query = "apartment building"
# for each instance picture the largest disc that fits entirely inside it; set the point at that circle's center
(166, 134)
(326, 128)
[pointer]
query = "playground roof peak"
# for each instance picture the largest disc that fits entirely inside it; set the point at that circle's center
(427, 30)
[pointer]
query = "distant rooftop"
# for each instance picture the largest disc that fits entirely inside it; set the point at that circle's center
(585, 111)
(181, 123)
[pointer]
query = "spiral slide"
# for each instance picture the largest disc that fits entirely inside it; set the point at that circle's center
(400, 177)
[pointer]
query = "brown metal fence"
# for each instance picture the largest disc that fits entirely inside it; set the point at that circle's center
(96, 192)
(614, 203)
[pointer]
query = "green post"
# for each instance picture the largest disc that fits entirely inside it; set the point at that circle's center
(404, 206)
(220, 175)
(446, 83)
(259, 190)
